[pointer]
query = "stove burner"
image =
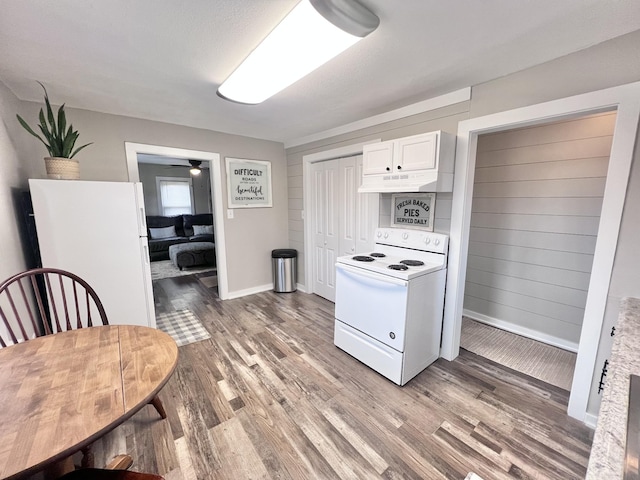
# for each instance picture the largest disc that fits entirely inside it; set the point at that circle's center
(397, 266)
(363, 258)
(377, 255)
(412, 263)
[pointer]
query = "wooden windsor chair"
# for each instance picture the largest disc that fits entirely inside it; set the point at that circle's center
(63, 301)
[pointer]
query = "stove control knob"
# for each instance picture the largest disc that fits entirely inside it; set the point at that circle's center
(427, 240)
(392, 335)
(386, 235)
(436, 242)
(353, 249)
(405, 236)
(379, 234)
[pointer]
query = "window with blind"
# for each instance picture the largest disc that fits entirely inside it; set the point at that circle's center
(175, 196)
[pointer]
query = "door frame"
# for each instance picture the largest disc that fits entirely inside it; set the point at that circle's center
(625, 100)
(132, 150)
(307, 200)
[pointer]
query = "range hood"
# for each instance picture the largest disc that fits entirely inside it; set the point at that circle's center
(420, 181)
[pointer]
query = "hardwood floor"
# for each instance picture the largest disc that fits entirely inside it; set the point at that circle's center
(269, 396)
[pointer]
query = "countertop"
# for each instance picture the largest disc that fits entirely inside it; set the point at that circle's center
(607, 453)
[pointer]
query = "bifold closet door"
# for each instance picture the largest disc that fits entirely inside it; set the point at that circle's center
(343, 219)
(325, 218)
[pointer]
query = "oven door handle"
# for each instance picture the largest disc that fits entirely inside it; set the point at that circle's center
(364, 273)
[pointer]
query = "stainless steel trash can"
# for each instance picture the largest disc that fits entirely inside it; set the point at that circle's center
(284, 265)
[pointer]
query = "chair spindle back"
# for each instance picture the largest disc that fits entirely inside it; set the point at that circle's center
(42, 301)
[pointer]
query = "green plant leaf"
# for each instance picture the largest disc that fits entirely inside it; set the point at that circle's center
(52, 119)
(29, 129)
(43, 123)
(46, 134)
(68, 144)
(80, 148)
(62, 121)
(61, 143)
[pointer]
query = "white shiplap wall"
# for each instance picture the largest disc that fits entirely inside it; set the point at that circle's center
(536, 207)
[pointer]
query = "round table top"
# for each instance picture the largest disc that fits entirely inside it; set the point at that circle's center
(59, 393)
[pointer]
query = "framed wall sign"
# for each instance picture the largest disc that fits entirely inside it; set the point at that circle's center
(413, 210)
(248, 183)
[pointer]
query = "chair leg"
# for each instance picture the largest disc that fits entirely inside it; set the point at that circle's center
(120, 462)
(159, 407)
(87, 457)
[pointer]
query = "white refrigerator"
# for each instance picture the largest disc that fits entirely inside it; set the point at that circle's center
(98, 231)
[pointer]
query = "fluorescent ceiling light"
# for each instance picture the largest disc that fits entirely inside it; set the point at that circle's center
(311, 34)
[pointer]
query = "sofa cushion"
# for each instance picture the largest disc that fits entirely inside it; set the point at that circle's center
(159, 221)
(199, 219)
(164, 243)
(203, 229)
(162, 232)
(208, 237)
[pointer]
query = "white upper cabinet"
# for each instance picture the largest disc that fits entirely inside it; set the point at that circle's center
(404, 154)
(378, 157)
(420, 163)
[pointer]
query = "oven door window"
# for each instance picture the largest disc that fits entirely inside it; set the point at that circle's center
(373, 304)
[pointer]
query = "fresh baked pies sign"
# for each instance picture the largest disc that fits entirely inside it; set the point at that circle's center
(248, 183)
(414, 210)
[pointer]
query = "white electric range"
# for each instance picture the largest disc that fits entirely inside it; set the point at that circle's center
(389, 302)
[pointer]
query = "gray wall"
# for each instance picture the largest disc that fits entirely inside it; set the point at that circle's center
(250, 235)
(536, 207)
(608, 64)
(201, 186)
(13, 177)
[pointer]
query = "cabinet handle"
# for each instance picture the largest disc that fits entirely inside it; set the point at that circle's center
(399, 167)
(605, 369)
(388, 169)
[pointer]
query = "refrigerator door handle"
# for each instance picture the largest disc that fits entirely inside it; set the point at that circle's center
(143, 219)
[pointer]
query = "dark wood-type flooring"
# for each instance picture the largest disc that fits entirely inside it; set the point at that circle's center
(270, 397)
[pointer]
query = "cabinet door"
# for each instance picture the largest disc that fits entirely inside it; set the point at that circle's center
(416, 153)
(378, 158)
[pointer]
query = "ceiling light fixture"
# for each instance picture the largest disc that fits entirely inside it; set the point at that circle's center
(195, 167)
(311, 34)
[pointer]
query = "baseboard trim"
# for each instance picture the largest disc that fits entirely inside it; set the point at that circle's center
(249, 291)
(523, 331)
(301, 288)
(590, 420)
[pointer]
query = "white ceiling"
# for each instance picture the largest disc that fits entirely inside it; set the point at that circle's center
(164, 59)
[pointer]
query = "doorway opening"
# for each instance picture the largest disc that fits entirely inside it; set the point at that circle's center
(206, 197)
(536, 204)
(178, 195)
(623, 99)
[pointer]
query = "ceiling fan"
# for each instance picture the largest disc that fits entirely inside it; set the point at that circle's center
(194, 169)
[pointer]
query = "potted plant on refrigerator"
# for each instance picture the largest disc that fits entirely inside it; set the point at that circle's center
(59, 141)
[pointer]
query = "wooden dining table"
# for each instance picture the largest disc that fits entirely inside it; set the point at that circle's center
(60, 393)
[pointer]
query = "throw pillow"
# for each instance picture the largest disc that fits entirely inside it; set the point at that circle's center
(203, 229)
(165, 232)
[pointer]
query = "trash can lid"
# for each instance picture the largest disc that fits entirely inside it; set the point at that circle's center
(284, 253)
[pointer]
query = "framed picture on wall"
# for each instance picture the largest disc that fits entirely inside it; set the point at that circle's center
(413, 210)
(248, 183)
